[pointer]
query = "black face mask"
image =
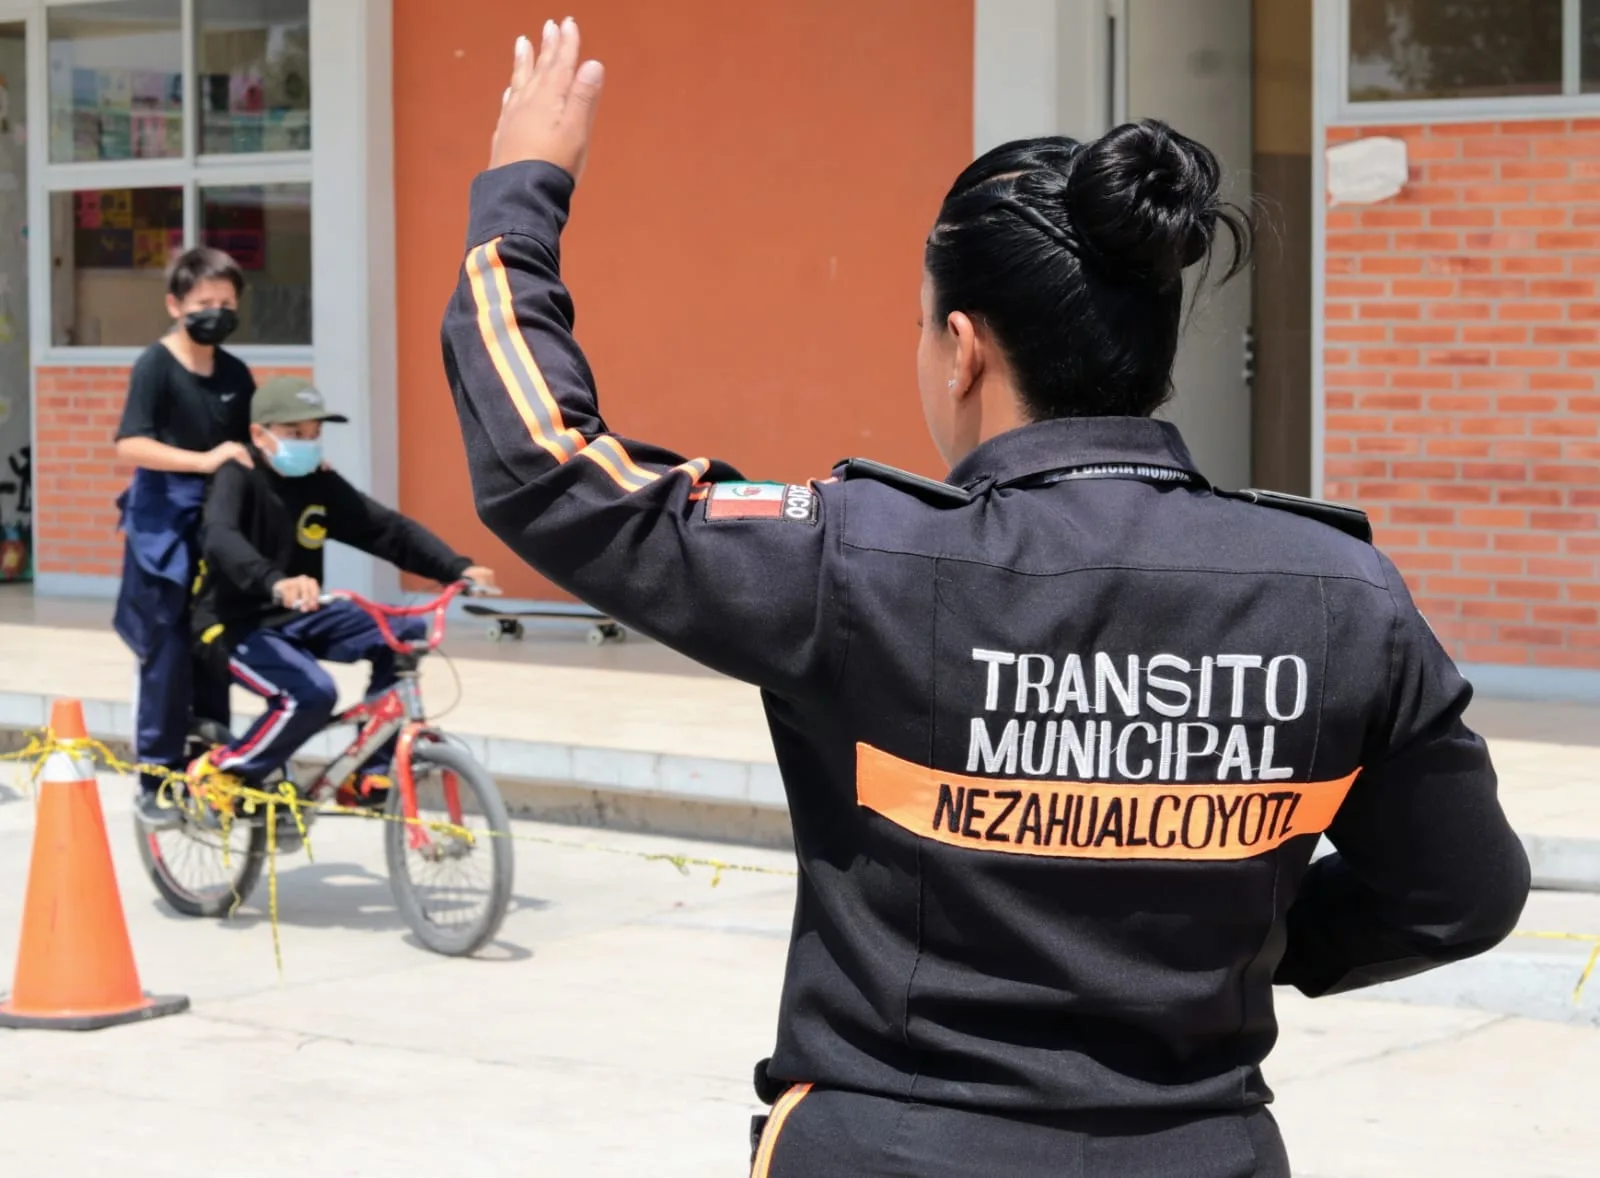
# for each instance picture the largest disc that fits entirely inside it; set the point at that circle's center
(212, 325)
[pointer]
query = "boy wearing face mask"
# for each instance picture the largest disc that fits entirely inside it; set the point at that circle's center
(257, 610)
(187, 415)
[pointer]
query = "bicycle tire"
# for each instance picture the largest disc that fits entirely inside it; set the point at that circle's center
(241, 871)
(474, 779)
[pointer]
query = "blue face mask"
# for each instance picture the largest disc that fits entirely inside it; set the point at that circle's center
(295, 457)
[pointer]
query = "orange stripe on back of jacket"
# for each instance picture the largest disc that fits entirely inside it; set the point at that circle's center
(1073, 820)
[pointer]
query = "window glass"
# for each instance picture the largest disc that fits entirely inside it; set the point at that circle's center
(267, 230)
(1590, 51)
(253, 72)
(110, 248)
(1417, 49)
(116, 80)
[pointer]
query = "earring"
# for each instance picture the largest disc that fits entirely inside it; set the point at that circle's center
(951, 384)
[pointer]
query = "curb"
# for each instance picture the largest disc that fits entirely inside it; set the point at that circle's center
(1564, 864)
(660, 793)
(620, 789)
(1534, 983)
(1557, 864)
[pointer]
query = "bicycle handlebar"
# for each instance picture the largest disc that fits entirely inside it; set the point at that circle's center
(381, 614)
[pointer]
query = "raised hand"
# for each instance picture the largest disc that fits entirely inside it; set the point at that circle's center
(548, 111)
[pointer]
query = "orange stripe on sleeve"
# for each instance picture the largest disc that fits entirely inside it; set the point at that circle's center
(696, 468)
(600, 454)
(620, 456)
(769, 1136)
(502, 285)
(502, 364)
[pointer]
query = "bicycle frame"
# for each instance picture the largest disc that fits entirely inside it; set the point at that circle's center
(396, 714)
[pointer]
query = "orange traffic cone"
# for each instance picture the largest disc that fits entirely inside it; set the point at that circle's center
(75, 969)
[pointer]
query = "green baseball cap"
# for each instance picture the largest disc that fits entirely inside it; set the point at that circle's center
(289, 400)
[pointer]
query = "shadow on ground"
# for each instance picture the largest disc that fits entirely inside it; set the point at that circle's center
(345, 896)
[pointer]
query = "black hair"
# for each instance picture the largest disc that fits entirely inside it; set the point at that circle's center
(1072, 255)
(195, 266)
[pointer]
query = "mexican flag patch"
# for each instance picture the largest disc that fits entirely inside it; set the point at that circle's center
(762, 501)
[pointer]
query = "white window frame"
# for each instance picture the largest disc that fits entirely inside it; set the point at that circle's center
(351, 170)
(1333, 52)
(191, 171)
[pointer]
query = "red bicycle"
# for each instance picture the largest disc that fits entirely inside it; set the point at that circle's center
(446, 815)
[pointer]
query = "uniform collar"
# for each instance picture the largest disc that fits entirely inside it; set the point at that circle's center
(1071, 442)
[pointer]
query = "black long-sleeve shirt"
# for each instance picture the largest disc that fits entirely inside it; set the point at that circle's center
(260, 528)
(1058, 736)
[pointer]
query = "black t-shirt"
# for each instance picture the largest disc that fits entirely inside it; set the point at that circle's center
(260, 527)
(174, 406)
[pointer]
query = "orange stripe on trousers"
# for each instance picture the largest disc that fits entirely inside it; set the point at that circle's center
(769, 1136)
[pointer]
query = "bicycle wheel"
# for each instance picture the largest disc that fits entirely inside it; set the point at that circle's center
(452, 890)
(198, 871)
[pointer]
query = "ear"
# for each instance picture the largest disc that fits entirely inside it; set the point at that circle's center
(969, 355)
(173, 309)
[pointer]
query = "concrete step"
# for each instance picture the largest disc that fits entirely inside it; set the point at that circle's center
(1537, 973)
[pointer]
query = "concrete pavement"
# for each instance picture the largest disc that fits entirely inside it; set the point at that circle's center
(611, 1033)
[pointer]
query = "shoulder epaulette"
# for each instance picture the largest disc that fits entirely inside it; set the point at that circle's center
(932, 490)
(1352, 521)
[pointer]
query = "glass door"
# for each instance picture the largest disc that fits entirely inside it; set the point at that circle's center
(16, 425)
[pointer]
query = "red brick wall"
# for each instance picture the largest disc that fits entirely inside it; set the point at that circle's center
(76, 475)
(1462, 346)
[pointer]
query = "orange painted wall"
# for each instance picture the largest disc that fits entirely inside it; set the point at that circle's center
(746, 247)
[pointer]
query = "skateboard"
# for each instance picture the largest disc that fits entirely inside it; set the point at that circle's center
(507, 623)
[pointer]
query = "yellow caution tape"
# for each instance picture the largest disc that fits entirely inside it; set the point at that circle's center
(1594, 957)
(228, 796)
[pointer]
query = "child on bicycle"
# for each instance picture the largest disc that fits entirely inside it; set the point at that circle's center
(258, 605)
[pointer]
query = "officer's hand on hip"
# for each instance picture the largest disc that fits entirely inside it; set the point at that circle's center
(298, 593)
(548, 110)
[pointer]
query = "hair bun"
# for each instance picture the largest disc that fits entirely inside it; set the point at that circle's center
(1144, 199)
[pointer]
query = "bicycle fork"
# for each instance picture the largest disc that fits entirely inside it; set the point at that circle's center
(408, 692)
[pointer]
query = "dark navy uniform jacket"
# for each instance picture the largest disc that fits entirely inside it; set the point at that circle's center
(1059, 736)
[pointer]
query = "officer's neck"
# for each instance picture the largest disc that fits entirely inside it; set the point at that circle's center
(990, 408)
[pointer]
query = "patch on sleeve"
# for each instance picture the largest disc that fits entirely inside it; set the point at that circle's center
(762, 501)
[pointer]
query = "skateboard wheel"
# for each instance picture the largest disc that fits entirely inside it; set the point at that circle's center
(596, 636)
(516, 630)
(495, 633)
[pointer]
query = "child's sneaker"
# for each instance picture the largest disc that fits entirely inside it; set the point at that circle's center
(156, 812)
(368, 792)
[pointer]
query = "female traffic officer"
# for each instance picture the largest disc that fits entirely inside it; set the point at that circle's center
(1060, 733)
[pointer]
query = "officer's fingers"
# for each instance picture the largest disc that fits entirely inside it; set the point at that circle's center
(521, 65)
(584, 97)
(563, 63)
(548, 41)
